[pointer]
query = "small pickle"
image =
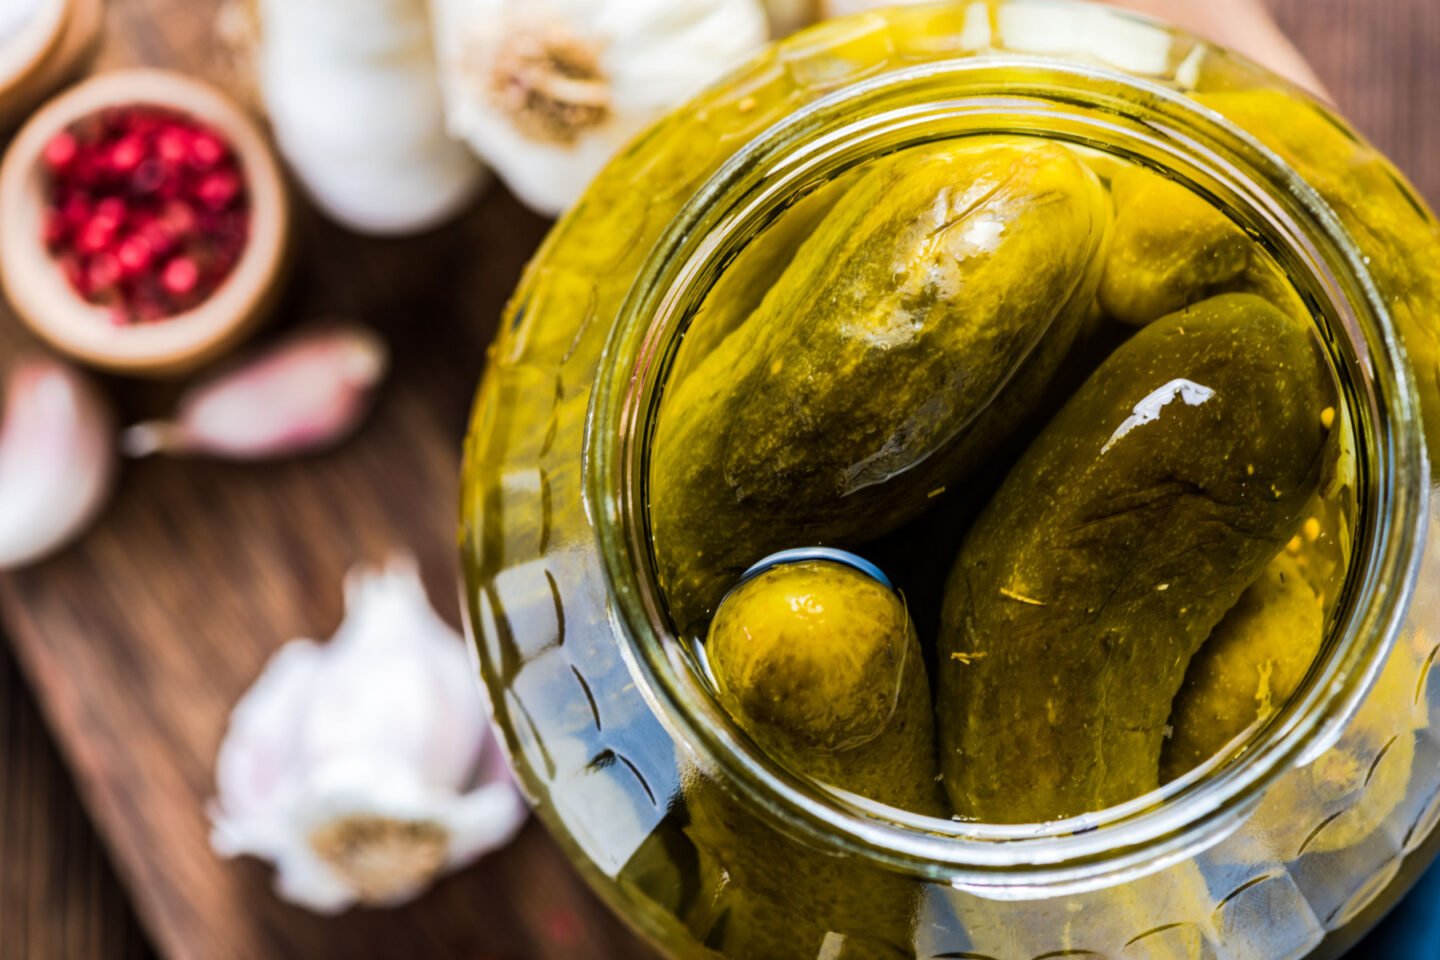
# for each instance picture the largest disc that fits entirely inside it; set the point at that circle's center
(918, 324)
(1130, 527)
(1252, 663)
(820, 665)
(1169, 249)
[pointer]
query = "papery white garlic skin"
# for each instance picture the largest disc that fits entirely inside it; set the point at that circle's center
(602, 69)
(354, 100)
(383, 732)
(15, 16)
(304, 395)
(57, 459)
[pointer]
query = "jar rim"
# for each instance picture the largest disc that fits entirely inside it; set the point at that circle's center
(1093, 849)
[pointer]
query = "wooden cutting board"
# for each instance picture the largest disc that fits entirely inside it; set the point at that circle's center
(138, 641)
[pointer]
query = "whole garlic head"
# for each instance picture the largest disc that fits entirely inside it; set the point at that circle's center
(365, 767)
(546, 91)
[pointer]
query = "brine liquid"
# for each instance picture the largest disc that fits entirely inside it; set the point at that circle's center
(1169, 251)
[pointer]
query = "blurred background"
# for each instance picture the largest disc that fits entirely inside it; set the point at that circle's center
(144, 884)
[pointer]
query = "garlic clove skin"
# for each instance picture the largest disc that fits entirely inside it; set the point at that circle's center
(304, 395)
(354, 100)
(57, 459)
(365, 767)
(546, 91)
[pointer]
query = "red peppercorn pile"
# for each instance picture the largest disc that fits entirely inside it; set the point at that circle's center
(148, 211)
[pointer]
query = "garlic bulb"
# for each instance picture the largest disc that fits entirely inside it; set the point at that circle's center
(365, 767)
(57, 459)
(351, 90)
(546, 91)
(15, 16)
(306, 394)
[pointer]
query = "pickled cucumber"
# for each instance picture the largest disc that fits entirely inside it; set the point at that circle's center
(1170, 248)
(912, 330)
(1130, 527)
(1252, 663)
(742, 285)
(820, 665)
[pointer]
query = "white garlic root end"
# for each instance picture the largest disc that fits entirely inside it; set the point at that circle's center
(365, 767)
(547, 91)
(57, 459)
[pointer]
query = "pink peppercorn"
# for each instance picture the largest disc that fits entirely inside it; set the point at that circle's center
(61, 150)
(180, 276)
(135, 255)
(148, 211)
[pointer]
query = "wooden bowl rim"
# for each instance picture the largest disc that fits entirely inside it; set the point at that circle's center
(36, 285)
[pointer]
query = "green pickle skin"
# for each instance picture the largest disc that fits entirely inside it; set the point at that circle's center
(912, 330)
(1170, 248)
(820, 665)
(1111, 552)
(742, 285)
(1247, 670)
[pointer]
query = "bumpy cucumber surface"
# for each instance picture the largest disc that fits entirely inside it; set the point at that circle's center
(916, 326)
(1130, 527)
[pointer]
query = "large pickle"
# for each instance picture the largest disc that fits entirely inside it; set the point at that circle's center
(820, 664)
(916, 326)
(1250, 666)
(742, 286)
(1130, 527)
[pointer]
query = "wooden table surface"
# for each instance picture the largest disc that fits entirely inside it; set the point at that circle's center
(437, 298)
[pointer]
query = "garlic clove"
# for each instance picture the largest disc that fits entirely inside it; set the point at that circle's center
(306, 394)
(546, 91)
(57, 459)
(365, 767)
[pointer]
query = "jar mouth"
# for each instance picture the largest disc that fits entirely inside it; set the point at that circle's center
(1088, 105)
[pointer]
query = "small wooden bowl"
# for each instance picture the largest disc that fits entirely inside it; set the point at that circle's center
(50, 46)
(32, 277)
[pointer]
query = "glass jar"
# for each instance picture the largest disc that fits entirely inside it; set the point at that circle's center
(709, 848)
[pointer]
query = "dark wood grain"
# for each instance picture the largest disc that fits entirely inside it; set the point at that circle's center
(58, 896)
(139, 640)
(1380, 60)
